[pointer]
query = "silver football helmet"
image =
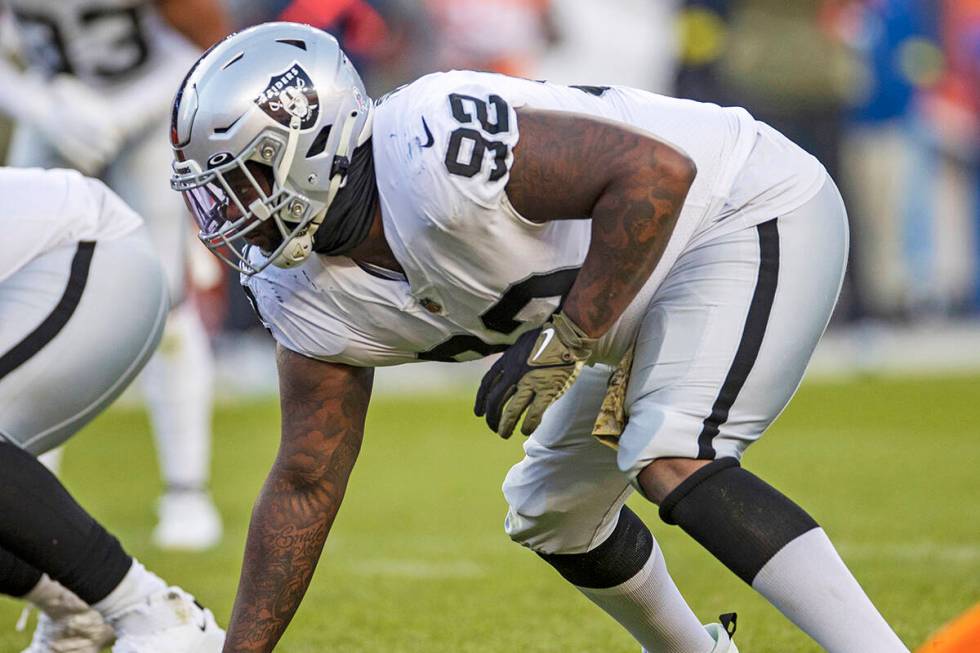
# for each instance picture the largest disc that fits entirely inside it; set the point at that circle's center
(263, 128)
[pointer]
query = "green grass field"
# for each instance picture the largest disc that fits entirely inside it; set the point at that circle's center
(418, 561)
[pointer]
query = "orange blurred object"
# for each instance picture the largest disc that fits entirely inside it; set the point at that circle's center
(363, 30)
(959, 636)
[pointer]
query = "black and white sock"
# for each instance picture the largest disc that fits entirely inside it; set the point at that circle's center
(626, 576)
(777, 548)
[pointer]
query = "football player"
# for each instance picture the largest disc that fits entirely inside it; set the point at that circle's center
(83, 299)
(668, 265)
(99, 80)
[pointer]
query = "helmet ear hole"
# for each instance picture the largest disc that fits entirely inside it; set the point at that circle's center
(319, 143)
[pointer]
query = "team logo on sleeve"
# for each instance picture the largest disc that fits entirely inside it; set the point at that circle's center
(290, 93)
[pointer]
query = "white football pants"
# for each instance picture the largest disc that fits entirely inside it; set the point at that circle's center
(178, 381)
(77, 324)
(720, 351)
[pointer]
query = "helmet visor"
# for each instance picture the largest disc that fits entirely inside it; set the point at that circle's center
(209, 206)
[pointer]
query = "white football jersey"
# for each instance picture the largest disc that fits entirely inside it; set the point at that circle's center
(102, 42)
(44, 209)
(477, 274)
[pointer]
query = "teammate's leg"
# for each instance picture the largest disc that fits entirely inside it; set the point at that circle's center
(769, 291)
(17, 578)
(178, 380)
(29, 149)
(566, 503)
(85, 569)
(54, 533)
(76, 325)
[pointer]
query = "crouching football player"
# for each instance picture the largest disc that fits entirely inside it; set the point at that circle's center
(83, 300)
(671, 264)
(94, 96)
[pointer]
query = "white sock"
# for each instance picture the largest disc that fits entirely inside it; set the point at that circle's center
(810, 584)
(52, 459)
(136, 585)
(50, 596)
(652, 609)
(177, 383)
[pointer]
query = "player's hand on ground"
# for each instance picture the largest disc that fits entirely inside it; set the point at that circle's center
(531, 375)
(79, 124)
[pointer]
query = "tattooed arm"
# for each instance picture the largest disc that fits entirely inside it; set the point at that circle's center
(323, 410)
(569, 166)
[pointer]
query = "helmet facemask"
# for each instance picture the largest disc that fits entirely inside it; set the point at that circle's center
(232, 199)
(237, 195)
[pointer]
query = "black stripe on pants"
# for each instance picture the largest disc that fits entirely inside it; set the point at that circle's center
(752, 335)
(56, 321)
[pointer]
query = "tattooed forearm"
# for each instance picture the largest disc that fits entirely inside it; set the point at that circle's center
(323, 409)
(633, 186)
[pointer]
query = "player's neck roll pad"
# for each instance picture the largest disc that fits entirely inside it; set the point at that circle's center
(351, 213)
(613, 562)
(742, 520)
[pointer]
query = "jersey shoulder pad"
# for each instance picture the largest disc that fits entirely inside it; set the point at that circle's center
(464, 126)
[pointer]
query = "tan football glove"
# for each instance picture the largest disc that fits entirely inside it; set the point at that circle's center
(533, 373)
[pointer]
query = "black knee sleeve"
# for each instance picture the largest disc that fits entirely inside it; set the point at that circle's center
(17, 578)
(742, 520)
(46, 528)
(620, 557)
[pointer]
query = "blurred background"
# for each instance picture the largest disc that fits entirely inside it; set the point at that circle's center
(882, 448)
(884, 92)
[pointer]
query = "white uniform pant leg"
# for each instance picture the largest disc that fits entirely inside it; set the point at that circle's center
(68, 377)
(566, 493)
(30, 149)
(566, 497)
(728, 336)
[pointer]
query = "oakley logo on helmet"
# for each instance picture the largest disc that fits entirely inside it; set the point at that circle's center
(289, 94)
(219, 158)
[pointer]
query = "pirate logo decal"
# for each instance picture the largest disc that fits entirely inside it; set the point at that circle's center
(289, 94)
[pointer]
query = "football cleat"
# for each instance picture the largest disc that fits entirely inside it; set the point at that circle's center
(189, 521)
(66, 624)
(168, 621)
(722, 634)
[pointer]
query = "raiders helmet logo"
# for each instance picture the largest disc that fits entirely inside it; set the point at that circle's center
(289, 94)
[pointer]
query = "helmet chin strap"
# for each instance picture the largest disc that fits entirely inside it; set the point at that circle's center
(300, 246)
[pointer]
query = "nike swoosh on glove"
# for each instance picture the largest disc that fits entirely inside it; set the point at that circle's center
(531, 374)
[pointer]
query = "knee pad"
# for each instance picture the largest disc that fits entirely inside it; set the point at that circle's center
(620, 557)
(735, 515)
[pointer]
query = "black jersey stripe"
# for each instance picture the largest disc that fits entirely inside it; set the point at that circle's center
(58, 318)
(752, 335)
